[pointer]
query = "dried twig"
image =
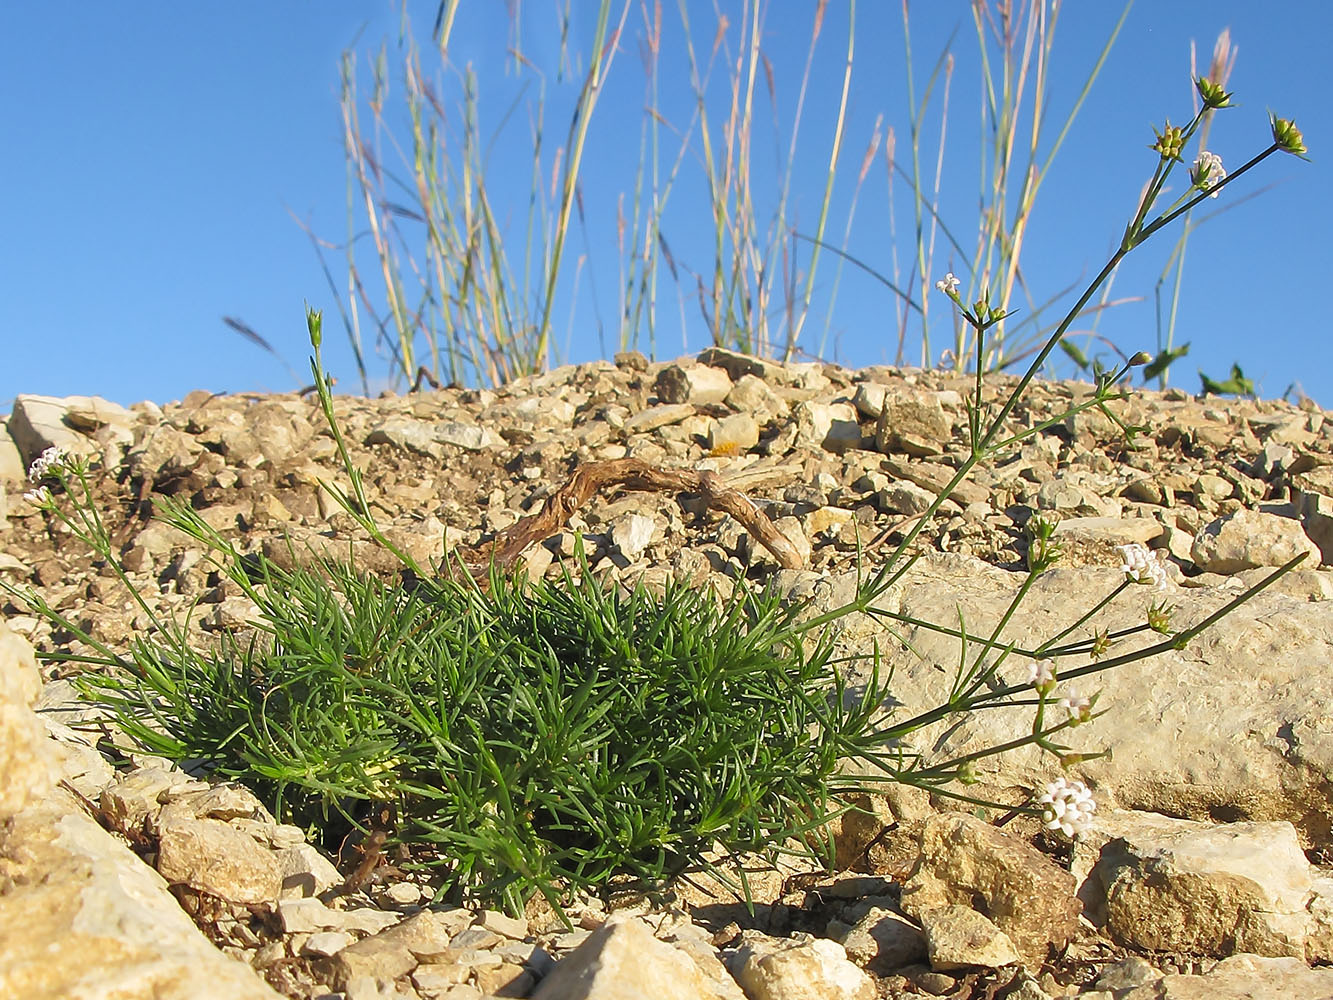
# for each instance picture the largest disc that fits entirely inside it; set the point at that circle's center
(632, 474)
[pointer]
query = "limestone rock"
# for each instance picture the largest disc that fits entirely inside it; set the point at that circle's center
(654, 417)
(1127, 973)
(214, 857)
(831, 426)
(1316, 518)
(66, 883)
(910, 422)
(1091, 541)
(632, 534)
(756, 397)
(697, 385)
(305, 872)
(70, 883)
(26, 770)
(408, 434)
(623, 961)
(131, 804)
(1165, 884)
(41, 422)
(734, 434)
(1247, 539)
(796, 969)
(1243, 713)
(469, 437)
(374, 958)
(883, 940)
(958, 937)
(13, 471)
(1319, 931)
(738, 365)
(1243, 977)
(967, 862)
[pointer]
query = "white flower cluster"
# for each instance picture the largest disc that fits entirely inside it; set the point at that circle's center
(1067, 806)
(1207, 173)
(1041, 674)
(1079, 706)
(948, 284)
(1140, 565)
(45, 463)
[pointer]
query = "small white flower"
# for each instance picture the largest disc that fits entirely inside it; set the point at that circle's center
(1078, 706)
(39, 497)
(45, 463)
(948, 284)
(1067, 806)
(1140, 565)
(1207, 172)
(1041, 674)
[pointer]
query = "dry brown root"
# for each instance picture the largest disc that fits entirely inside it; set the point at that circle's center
(631, 474)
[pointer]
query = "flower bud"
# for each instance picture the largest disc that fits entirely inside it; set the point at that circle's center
(314, 321)
(1170, 141)
(1212, 94)
(1101, 644)
(1287, 135)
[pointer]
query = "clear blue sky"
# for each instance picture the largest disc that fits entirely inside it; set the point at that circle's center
(154, 151)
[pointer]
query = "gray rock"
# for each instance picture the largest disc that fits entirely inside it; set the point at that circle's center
(469, 437)
(697, 385)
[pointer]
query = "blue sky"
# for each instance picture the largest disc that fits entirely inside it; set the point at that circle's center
(158, 151)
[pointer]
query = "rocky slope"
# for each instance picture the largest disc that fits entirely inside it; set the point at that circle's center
(1220, 754)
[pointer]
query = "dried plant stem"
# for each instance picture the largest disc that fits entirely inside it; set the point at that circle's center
(632, 474)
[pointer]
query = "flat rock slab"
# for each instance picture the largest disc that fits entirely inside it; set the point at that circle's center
(82, 918)
(1236, 726)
